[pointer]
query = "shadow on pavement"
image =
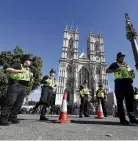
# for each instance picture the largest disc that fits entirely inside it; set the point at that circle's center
(95, 122)
(112, 123)
(88, 122)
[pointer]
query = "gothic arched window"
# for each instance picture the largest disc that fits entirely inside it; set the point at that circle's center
(97, 47)
(97, 70)
(83, 75)
(69, 69)
(70, 49)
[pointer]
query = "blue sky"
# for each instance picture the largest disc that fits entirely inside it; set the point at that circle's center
(37, 26)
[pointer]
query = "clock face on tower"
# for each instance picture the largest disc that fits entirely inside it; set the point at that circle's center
(97, 59)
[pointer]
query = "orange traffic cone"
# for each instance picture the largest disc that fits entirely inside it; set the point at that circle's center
(100, 110)
(63, 118)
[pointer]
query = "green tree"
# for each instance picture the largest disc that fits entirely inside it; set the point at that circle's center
(9, 57)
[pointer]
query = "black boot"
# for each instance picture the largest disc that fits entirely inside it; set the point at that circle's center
(86, 115)
(14, 121)
(4, 122)
(80, 116)
(124, 122)
(43, 118)
(134, 120)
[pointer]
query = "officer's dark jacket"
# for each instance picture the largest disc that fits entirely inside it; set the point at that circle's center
(43, 79)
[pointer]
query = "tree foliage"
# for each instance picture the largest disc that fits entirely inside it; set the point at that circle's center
(9, 57)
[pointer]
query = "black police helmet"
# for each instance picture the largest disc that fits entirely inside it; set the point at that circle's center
(85, 82)
(26, 57)
(119, 54)
(52, 71)
(100, 86)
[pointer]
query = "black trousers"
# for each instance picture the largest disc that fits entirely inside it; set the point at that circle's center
(38, 104)
(136, 108)
(103, 105)
(124, 90)
(12, 102)
(43, 103)
(45, 99)
(84, 105)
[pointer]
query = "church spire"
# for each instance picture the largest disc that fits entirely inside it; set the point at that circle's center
(66, 28)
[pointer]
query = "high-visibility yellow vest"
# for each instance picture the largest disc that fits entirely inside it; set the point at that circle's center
(84, 91)
(100, 93)
(124, 73)
(50, 82)
(26, 76)
(136, 97)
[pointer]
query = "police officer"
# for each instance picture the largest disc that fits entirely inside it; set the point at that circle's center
(100, 94)
(84, 100)
(41, 102)
(123, 76)
(136, 102)
(49, 83)
(19, 78)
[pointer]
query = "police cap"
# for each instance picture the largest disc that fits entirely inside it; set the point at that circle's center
(26, 57)
(52, 71)
(119, 54)
(85, 82)
(100, 86)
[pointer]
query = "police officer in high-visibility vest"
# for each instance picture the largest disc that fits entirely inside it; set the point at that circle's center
(100, 94)
(123, 76)
(47, 92)
(19, 78)
(84, 99)
(136, 102)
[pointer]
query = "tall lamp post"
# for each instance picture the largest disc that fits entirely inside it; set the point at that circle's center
(131, 36)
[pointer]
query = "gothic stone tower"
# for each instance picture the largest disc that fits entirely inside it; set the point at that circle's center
(74, 69)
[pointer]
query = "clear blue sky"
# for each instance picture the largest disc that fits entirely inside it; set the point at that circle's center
(38, 25)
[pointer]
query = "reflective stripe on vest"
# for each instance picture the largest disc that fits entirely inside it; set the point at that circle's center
(117, 75)
(26, 76)
(132, 75)
(136, 97)
(100, 94)
(84, 91)
(50, 82)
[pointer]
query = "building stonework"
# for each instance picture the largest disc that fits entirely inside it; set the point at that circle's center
(74, 68)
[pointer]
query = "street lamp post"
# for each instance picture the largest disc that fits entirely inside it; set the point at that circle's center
(131, 36)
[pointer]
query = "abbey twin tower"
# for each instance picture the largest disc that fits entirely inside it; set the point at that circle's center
(75, 68)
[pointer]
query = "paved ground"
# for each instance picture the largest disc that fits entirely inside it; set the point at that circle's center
(90, 128)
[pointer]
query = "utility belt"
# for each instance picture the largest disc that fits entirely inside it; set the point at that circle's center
(85, 95)
(101, 97)
(20, 82)
(124, 80)
(49, 87)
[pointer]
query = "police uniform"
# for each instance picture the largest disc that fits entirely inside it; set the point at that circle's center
(84, 101)
(100, 94)
(47, 93)
(18, 83)
(136, 102)
(123, 89)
